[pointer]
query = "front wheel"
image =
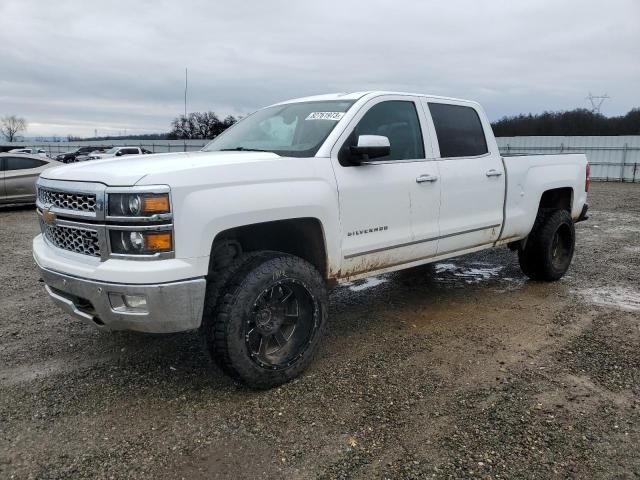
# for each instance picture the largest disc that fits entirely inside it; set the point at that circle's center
(268, 321)
(549, 248)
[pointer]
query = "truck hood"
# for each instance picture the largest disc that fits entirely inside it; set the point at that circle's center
(131, 169)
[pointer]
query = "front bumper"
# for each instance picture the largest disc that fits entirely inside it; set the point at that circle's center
(170, 307)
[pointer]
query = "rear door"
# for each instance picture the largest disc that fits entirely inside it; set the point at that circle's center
(376, 197)
(20, 175)
(472, 174)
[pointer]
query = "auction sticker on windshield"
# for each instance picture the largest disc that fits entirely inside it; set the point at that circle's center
(335, 116)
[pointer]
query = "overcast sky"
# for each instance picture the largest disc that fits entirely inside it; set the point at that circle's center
(70, 67)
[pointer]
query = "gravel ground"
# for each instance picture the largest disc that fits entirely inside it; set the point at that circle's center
(462, 369)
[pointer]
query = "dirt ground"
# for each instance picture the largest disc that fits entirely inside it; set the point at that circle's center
(460, 370)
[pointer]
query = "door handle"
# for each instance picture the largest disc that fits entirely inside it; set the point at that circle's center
(426, 178)
(493, 173)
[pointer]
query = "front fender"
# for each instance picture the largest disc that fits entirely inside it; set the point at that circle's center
(205, 211)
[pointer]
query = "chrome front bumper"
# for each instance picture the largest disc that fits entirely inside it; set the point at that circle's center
(170, 307)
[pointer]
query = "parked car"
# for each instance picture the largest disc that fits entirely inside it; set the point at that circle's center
(18, 175)
(118, 152)
(30, 151)
(243, 239)
(70, 157)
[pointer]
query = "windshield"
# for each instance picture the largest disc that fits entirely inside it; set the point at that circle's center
(112, 150)
(292, 129)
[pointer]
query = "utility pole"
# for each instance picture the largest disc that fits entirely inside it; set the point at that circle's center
(597, 101)
(184, 145)
(185, 91)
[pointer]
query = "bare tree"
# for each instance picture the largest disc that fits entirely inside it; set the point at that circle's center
(199, 125)
(11, 126)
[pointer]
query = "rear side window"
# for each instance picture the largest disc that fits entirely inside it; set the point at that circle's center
(15, 163)
(459, 130)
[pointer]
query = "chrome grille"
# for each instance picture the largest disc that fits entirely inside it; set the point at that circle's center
(78, 240)
(78, 202)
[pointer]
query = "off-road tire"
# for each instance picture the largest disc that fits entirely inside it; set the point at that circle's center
(231, 308)
(215, 283)
(549, 248)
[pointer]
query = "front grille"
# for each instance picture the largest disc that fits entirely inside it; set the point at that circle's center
(73, 239)
(78, 202)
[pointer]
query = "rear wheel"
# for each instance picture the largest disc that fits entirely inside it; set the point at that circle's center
(269, 318)
(549, 248)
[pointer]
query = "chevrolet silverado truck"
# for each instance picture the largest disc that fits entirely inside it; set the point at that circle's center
(244, 238)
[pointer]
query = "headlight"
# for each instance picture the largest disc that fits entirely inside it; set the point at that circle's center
(127, 242)
(138, 204)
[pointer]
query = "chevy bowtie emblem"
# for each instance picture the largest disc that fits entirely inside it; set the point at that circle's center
(48, 216)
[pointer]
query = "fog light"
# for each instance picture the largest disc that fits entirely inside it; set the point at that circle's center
(136, 301)
(123, 303)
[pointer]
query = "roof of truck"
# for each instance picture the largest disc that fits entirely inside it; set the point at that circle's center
(358, 95)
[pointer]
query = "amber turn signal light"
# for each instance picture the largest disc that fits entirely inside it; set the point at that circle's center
(157, 242)
(155, 203)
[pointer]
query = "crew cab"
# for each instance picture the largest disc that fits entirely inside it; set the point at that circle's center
(243, 239)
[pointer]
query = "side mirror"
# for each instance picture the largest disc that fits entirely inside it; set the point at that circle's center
(119, 153)
(370, 147)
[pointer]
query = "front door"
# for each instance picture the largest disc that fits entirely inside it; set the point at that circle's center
(378, 199)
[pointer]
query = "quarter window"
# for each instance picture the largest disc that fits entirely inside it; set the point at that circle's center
(14, 163)
(459, 130)
(395, 119)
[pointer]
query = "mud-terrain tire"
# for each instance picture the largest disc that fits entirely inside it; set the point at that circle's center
(268, 318)
(549, 247)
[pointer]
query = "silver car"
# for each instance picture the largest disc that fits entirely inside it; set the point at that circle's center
(18, 175)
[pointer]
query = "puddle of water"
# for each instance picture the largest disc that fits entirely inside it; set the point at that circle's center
(473, 273)
(365, 284)
(617, 297)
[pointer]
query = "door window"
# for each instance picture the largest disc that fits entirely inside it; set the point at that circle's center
(459, 130)
(15, 163)
(395, 119)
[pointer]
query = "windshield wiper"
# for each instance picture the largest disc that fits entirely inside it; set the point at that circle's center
(242, 149)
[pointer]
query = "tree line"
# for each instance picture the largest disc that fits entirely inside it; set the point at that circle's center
(574, 122)
(207, 125)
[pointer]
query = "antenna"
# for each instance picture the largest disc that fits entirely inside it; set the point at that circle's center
(597, 101)
(185, 91)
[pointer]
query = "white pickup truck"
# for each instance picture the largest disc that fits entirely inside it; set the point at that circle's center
(244, 238)
(112, 152)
